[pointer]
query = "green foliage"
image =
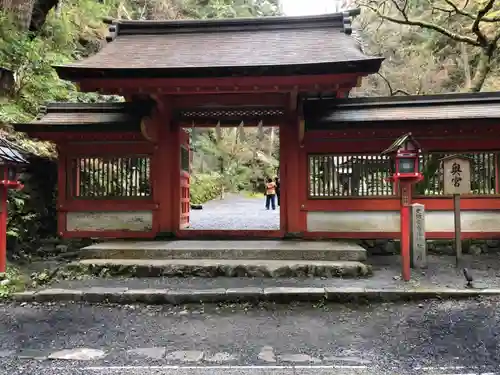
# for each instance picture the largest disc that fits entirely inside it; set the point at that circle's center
(229, 8)
(76, 31)
(431, 46)
(12, 281)
(204, 188)
(241, 158)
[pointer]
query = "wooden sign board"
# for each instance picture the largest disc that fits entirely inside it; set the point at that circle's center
(456, 175)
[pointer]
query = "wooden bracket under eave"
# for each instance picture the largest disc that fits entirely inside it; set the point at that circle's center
(302, 128)
(149, 129)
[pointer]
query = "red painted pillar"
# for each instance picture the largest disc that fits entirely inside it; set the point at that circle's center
(405, 189)
(161, 175)
(3, 229)
(292, 177)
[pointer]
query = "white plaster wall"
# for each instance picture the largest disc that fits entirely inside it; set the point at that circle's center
(137, 221)
(353, 221)
(388, 221)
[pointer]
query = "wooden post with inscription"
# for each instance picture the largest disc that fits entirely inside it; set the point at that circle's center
(418, 246)
(456, 181)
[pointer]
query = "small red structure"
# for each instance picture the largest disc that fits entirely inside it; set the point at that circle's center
(12, 160)
(405, 161)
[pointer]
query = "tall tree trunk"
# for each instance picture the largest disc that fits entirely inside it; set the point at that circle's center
(482, 70)
(21, 10)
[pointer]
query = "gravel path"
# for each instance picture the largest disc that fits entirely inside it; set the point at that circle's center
(235, 212)
(385, 338)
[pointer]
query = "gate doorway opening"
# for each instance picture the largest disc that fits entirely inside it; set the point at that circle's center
(224, 171)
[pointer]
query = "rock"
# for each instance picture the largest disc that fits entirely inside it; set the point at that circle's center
(370, 243)
(297, 358)
(493, 243)
(80, 354)
(267, 354)
(185, 356)
(486, 249)
(62, 248)
(5, 282)
(475, 249)
(6, 353)
(221, 357)
(390, 248)
(152, 353)
(445, 249)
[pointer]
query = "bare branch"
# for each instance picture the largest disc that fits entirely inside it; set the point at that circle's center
(457, 10)
(389, 86)
(463, 12)
(423, 24)
(475, 26)
(399, 91)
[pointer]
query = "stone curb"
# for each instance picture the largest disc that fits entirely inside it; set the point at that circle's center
(277, 294)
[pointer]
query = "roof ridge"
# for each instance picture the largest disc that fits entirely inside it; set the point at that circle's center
(416, 100)
(340, 20)
(92, 107)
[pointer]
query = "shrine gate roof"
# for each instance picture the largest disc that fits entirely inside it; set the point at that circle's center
(320, 113)
(88, 117)
(227, 47)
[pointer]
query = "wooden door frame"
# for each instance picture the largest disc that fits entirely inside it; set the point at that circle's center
(232, 234)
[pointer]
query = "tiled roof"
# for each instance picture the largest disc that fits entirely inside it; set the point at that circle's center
(184, 47)
(75, 116)
(405, 108)
(11, 153)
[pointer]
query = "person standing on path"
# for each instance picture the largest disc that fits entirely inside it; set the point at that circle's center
(270, 194)
(278, 189)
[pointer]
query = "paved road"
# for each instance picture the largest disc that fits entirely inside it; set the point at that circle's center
(447, 337)
(235, 212)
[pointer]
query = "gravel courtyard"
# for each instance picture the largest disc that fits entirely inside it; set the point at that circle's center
(235, 212)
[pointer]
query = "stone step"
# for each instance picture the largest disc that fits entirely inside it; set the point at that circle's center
(263, 250)
(220, 268)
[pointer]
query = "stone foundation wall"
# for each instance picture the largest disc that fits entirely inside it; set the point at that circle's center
(443, 247)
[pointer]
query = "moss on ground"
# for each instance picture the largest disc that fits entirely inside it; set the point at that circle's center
(14, 280)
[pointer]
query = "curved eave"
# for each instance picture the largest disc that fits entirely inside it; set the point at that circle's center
(77, 128)
(79, 73)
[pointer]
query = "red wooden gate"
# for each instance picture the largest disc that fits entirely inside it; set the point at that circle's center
(184, 180)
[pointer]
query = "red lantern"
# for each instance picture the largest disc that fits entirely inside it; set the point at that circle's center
(405, 164)
(12, 162)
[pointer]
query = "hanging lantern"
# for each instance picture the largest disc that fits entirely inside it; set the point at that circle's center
(12, 162)
(218, 132)
(193, 133)
(260, 133)
(242, 135)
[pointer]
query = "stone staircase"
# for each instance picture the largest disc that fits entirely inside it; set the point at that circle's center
(189, 258)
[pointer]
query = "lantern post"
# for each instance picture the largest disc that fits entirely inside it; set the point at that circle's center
(405, 169)
(12, 161)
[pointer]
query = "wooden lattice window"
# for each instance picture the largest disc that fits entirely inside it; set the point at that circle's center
(112, 177)
(483, 173)
(341, 176)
